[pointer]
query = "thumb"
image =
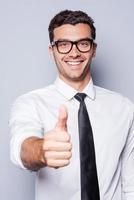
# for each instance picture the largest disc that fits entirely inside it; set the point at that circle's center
(62, 119)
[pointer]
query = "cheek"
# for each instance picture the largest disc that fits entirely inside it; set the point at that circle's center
(59, 60)
(58, 57)
(89, 56)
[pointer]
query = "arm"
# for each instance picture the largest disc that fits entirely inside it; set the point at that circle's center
(127, 172)
(52, 151)
(32, 153)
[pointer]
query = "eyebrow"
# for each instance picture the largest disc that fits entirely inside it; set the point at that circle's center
(74, 40)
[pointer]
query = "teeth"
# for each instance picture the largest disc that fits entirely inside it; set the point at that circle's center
(73, 62)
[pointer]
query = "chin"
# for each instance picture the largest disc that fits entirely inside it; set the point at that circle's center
(76, 78)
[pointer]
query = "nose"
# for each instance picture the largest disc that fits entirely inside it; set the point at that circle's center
(74, 51)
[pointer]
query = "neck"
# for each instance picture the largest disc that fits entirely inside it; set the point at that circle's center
(78, 85)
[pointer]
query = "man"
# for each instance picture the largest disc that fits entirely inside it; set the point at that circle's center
(46, 124)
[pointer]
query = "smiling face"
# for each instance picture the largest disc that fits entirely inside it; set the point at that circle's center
(74, 66)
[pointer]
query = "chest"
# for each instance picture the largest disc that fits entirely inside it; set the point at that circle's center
(110, 129)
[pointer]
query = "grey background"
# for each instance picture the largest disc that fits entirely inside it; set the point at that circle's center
(25, 64)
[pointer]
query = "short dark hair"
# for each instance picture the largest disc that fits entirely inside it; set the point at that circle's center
(70, 17)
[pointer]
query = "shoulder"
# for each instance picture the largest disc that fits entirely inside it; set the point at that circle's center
(32, 101)
(113, 99)
(37, 94)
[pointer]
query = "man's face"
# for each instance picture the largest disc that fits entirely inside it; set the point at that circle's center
(73, 66)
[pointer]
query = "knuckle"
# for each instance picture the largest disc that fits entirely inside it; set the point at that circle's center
(69, 146)
(49, 162)
(67, 137)
(47, 154)
(69, 154)
(67, 162)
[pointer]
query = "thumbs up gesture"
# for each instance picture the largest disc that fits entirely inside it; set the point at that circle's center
(57, 146)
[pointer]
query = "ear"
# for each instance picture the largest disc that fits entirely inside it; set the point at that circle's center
(94, 49)
(50, 48)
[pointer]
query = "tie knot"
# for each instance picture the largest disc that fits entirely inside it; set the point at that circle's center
(80, 96)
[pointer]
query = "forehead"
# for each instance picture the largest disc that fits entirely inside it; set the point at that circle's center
(72, 32)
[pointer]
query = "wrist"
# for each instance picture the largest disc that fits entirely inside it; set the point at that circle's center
(32, 154)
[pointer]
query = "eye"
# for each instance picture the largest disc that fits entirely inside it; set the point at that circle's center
(63, 43)
(84, 43)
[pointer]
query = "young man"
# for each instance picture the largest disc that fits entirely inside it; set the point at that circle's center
(47, 125)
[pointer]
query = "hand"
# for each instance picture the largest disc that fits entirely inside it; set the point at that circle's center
(57, 146)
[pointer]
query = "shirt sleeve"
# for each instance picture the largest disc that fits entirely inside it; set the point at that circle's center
(127, 172)
(24, 122)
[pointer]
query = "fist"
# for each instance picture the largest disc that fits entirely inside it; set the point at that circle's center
(57, 146)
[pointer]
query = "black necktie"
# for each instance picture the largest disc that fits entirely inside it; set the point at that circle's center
(89, 180)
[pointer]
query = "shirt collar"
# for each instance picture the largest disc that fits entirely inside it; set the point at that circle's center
(68, 92)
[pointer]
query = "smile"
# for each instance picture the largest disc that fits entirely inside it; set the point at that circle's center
(74, 62)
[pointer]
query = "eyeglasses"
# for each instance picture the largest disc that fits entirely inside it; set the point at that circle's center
(65, 46)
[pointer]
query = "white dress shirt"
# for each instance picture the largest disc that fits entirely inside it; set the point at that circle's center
(111, 116)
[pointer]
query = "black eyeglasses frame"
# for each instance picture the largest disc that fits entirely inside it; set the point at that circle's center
(55, 43)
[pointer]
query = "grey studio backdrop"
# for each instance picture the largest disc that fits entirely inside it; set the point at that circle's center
(25, 64)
